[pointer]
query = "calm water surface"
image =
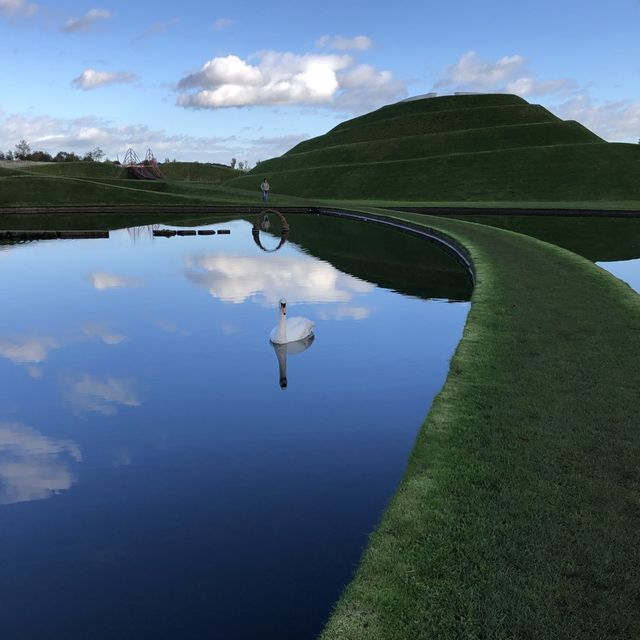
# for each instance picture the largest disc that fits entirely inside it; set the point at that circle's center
(155, 480)
(627, 270)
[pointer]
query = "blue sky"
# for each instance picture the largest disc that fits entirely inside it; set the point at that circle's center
(211, 81)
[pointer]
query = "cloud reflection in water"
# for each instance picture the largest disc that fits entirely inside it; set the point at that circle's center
(103, 395)
(299, 279)
(32, 466)
(102, 281)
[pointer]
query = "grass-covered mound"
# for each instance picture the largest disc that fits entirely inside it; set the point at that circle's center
(78, 169)
(198, 172)
(456, 149)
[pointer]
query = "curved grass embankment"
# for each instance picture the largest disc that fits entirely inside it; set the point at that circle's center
(518, 513)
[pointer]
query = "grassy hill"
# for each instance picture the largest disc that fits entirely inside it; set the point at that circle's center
(106, 183)
(456, 149)
(198, 172)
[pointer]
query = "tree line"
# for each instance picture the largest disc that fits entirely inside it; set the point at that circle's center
(23, 151)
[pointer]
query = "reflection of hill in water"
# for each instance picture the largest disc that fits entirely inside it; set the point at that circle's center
(390, 259)
(601, 239)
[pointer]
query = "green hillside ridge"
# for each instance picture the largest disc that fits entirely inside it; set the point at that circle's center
(79, 170)
(431, 105)
(198, 172)
(471, 148)
(438, 122)
(466, 141)
(189, 171)
(584, 172)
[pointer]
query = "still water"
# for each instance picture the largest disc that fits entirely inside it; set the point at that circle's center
(155, 480)
(626, 270)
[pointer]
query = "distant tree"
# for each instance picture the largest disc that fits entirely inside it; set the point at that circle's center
(9, 155)
(39, 156)
(66, 156)
(233, 163)
(2, 155)
(22, 150)
(87, 157)
(166, 160)
(96, 154)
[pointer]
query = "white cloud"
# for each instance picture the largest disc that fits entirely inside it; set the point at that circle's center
(103, 395)
(221, 23)
(102, 281)
(507, 75)
(28, 350)
(86, 22)
(98, 330)
(156, 28)
(611, 120)
(82, 134)
(288, 79)
(17, 8)
(92, 79)
(32, 466)
(365, 85)
(358, 43)
(300, 279)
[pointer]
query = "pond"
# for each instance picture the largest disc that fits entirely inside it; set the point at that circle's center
(156, 479)
(626, 270)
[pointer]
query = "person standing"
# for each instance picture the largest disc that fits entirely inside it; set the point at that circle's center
(265, 190)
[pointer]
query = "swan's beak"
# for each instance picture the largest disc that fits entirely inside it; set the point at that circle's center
(283, 306)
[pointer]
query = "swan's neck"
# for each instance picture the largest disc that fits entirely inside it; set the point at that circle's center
(282, 327)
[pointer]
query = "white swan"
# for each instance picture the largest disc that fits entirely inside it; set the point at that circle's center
(290, 329)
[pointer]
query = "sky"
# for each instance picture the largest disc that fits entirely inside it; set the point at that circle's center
(211, 81)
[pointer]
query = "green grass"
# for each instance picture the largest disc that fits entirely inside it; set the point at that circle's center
(431, 105)
(598, 239)
(79, 170)
(198, 172)
(563, 173)
(469, 149)
(518, 513)
(422, 146)
(437, 122)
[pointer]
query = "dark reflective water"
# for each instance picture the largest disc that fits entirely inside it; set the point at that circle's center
(627, 270)
(155, 480)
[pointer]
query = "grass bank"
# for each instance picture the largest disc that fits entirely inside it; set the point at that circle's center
(519, 509)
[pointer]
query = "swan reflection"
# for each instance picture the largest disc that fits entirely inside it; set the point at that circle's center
(289, 349)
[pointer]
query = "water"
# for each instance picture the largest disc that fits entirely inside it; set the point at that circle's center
(626, 270)
(155, 480)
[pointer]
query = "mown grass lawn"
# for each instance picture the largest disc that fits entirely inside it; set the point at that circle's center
(518, 513)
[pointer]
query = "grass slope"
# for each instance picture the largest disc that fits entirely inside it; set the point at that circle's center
(518, 513)
(598, 239)
(198, 172)
(562, 173)
(437, 144)
(457, 149)
(438, 122)
(79, 170)
(441, 103)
